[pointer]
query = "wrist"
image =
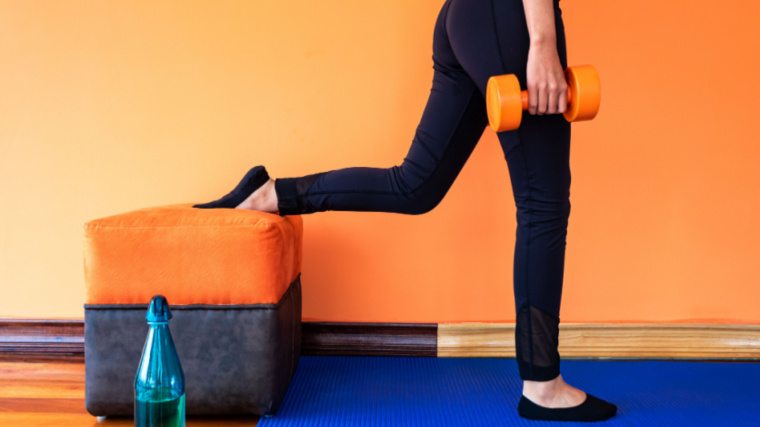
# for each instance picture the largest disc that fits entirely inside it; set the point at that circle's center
(543, 41)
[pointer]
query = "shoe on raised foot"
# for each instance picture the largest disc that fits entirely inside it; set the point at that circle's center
(255, 178)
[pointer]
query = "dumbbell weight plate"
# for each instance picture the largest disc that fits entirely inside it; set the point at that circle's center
(504, 102)
(585, 90)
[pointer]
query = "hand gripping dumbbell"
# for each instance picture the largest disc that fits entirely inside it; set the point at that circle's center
(505, 101)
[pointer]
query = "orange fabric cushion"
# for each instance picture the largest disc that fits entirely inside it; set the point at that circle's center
(191, 256)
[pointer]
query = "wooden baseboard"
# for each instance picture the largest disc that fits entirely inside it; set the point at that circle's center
(63, 340)
(42, 340)
(368, 339)
(610, 340)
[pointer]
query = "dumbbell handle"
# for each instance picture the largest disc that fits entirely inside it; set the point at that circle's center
(524, 98)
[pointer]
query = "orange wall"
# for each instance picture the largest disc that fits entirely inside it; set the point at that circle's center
(111, 106)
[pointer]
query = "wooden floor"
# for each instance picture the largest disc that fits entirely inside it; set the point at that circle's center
(52, 394)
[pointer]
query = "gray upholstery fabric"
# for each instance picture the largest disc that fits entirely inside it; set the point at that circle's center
(236, 359)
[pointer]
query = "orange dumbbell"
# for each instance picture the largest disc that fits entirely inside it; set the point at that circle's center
(506, 102)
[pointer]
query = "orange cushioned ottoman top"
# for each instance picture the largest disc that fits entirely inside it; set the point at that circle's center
(191, 256)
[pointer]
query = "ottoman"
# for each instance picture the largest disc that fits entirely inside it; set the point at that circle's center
(232, 279)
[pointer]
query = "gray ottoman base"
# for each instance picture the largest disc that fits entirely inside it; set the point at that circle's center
(237, 359)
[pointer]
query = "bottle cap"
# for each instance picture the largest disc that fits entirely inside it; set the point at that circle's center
(158, 310)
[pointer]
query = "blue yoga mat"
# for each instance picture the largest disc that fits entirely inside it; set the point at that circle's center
(428, 391)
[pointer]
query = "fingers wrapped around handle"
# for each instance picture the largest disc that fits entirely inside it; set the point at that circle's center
(506, 102)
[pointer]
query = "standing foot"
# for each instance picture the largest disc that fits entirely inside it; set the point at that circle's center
(556, 400)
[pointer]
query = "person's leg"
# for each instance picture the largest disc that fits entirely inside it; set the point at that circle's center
(490, 37)
(537, 155)
(451, 125)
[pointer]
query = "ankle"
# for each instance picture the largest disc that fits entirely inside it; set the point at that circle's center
(543, 389)
(270, 197)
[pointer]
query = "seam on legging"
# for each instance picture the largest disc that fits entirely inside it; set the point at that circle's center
(496, 37)
(437, 166)
(446, 19)
(424, 145)
(527, 248)
(530, 200)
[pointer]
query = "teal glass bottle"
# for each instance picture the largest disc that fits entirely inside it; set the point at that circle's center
(159, 382)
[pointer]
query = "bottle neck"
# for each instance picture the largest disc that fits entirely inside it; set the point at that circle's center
(158, 334)
(159, 365)
(158, 331)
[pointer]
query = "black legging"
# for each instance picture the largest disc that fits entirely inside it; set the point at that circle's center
(474, 40)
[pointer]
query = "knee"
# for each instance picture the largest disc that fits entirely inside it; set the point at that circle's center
(543, 211)
(421, 200)
(416, 190)
(419, 205)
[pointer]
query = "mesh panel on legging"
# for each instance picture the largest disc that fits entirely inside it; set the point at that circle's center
(536, 341)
